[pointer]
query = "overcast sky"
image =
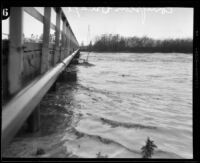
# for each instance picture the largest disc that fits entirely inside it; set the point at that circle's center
(159, 23)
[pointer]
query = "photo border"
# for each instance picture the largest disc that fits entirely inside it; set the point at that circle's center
(130, 3)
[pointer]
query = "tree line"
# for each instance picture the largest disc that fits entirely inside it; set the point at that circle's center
(117, 43)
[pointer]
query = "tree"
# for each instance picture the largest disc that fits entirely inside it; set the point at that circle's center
(110, 42)
(148, 149)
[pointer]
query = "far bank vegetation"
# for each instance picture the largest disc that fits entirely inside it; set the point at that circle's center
(117, 43)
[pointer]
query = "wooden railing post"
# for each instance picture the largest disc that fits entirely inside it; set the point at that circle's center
(46, 33)
(57, 49)
(34, 118)
(70, 42)
(67, 40)
(67, 33)
(63, 39)
(15, 58)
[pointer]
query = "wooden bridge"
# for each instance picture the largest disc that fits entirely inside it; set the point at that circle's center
(31, 69)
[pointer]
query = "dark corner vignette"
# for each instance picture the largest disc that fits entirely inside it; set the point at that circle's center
(196, 52)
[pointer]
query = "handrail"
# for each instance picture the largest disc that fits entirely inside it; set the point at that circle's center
(37, 15)
(21, 106)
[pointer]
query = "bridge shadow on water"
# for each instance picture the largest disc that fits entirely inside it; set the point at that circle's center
(55, 107)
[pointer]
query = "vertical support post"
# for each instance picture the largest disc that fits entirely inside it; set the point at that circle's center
(69, 40)
(15, 58)
(57, 52)
(34, 120)
(46, 33)
(66, 43)
(63, 40)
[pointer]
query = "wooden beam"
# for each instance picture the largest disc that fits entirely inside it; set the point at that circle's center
(46, 33)
(32, 46)
(15, 58)
(52, 26)
(34, 13)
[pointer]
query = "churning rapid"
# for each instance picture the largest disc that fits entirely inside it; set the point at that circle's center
(109, 107)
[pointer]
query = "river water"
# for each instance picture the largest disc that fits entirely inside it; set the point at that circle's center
(109, 107)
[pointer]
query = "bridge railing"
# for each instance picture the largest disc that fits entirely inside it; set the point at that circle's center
(26, 60)
(30, 69)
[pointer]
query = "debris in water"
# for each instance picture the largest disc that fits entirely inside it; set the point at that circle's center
(101, 156)
(148, 149)
(40, 151)
(85, 63)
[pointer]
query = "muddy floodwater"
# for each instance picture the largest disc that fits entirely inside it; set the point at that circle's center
(109, 107)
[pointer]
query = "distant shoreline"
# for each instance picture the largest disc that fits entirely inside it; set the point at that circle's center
(117, 43)
(134, 52)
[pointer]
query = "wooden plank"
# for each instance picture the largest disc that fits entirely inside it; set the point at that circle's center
(53, 26)
(30, 46)
(34, 13)
(37, 15)
(31, 63)
(15, 59)
(46, 33)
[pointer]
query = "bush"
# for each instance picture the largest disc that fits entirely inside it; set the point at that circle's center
(148, 149)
